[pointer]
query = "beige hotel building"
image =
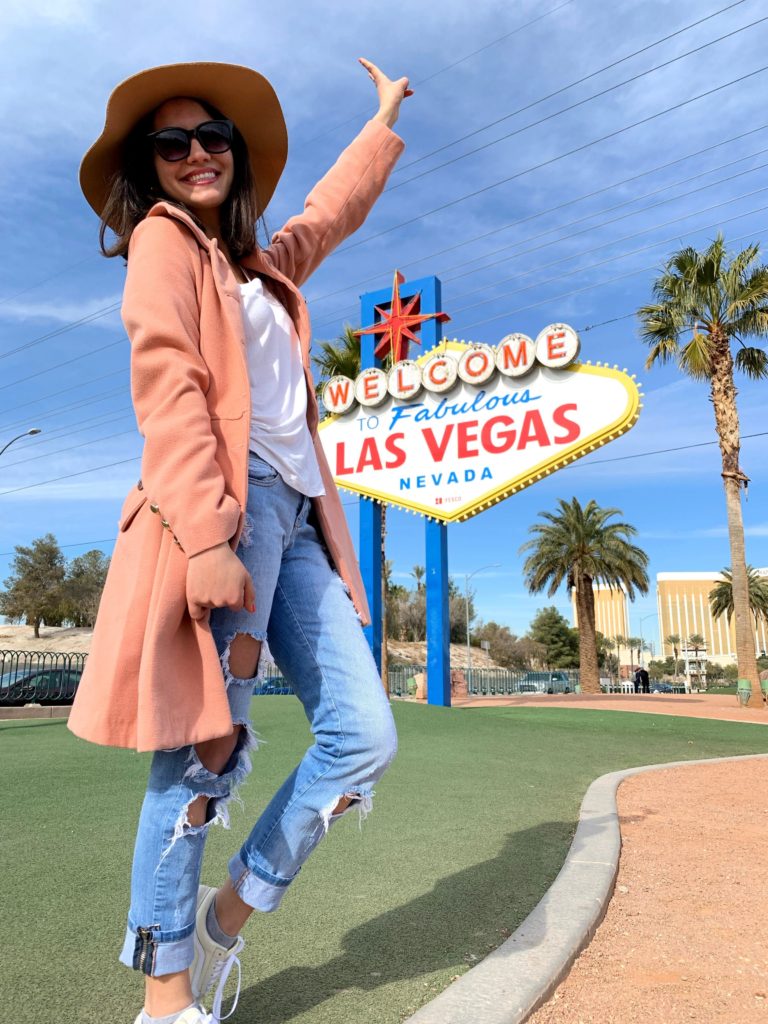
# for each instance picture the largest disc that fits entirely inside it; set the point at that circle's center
(611, 615)
(683, 609)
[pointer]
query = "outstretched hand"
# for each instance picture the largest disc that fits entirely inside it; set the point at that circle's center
(391, 94)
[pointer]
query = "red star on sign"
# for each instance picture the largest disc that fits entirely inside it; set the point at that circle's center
(396, 323)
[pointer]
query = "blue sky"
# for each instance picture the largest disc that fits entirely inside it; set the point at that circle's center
(531, 250)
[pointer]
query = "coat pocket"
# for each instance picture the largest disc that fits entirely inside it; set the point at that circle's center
(131, 506)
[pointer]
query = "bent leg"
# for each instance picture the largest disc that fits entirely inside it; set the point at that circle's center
(241, 660)
(317, 640)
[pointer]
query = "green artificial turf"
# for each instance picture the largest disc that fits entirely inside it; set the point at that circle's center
(469, 827)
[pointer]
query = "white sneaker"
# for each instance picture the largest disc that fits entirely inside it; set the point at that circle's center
(212, 963)
(191, 1016)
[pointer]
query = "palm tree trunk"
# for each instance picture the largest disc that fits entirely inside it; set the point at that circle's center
(589, 674)
(384, 648)
(723, 394)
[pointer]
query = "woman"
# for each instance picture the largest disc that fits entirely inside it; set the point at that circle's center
(248, 539)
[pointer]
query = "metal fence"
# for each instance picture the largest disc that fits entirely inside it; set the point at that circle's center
(39, 677)
(401, 680)
(491, 682)
(47, 677)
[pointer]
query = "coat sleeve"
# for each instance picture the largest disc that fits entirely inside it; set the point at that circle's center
(338, 204)
(169, 380)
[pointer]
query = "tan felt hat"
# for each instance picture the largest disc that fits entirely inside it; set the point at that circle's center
(241, 94)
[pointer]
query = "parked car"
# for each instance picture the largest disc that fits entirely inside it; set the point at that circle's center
(545, 682)
(657, 687)
(271, 684)
(39, 686)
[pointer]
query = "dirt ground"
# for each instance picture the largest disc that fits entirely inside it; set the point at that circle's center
(694, 705)
(685, 934)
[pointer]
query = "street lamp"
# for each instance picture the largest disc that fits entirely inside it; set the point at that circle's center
(467, 578)
(32, 430)
(651, 615)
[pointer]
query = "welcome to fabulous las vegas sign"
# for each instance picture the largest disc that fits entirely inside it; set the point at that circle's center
(465, 425)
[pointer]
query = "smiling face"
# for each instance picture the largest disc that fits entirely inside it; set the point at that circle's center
(201, 180)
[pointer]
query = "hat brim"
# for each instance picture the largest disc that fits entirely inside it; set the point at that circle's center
(242, 94)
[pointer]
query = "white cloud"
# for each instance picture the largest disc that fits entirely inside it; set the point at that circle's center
(64, 312)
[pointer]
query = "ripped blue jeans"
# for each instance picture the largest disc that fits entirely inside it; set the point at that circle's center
(316, 639)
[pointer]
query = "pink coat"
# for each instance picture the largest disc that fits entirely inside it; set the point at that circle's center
(153, 678)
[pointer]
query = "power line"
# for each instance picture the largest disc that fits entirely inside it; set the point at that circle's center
(601, 284)
(333, 318)
(573, 465)
(66, 362)
(56, 433)
(552, 209)
(342, 124)
(104, 312)
(572, 106)
(68, 476)
(322, 323)
(612, 242)
(658, 451)
(578, 270)
(62, 330)
(64, 408)
(61, 391)
(45, 280)
(555, 159)
(613, 220)
(448, 67)
(69, 448)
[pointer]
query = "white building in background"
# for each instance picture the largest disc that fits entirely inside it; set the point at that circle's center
(683, 608)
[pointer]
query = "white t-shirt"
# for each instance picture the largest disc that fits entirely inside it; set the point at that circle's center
(279, 431)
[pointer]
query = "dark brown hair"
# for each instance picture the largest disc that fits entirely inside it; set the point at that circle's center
(135, 189)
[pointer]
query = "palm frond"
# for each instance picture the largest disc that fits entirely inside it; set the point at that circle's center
(696, 357)
(753, 362)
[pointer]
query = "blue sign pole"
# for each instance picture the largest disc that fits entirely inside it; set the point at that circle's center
(436, 533)
(371, 568)
(438, 623)
(436, 544)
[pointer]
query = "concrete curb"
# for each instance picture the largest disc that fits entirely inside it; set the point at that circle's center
(10, 714)
(518, 976)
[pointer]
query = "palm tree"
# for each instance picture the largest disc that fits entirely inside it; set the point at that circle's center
(674, 642)
(698, 643)
(634, 643)
(579, 546)
(621, 641)
(609, 646)
(419, 572)
(721, 596)
(342, 355)
(720, 300)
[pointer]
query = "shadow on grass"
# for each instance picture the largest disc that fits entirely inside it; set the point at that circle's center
(428, 934)
(9, 726)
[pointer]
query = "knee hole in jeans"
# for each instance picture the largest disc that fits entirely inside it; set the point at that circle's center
(215, 756)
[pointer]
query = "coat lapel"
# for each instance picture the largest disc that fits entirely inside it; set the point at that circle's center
(228, 284)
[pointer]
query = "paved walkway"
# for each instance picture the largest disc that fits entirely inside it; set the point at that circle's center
(685, 933)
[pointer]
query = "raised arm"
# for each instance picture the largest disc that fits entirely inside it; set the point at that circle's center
(169, 379)
(342, 199)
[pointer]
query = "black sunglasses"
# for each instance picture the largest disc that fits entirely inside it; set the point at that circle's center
(175, 143)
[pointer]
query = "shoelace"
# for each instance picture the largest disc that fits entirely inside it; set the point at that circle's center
(219, 977)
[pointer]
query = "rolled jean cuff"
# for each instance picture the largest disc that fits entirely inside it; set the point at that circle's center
(255, 891)
(162, 957)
